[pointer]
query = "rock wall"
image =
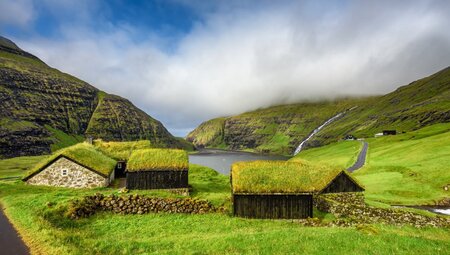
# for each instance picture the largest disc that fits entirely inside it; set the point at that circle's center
(137, 204)
(353, 207)
(77, 176)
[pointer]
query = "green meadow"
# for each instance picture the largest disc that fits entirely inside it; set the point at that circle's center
(410, 168)
(38, 214)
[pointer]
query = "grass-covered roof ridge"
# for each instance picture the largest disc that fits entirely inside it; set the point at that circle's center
(84, 154)
(282, 177)
(158, 159)
(121, 150)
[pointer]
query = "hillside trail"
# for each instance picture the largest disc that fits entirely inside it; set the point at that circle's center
(361, 160)
(10, 241)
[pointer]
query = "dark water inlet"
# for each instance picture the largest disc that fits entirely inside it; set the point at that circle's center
(221, 160)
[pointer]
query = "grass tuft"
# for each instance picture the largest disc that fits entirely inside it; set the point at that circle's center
(158, 159)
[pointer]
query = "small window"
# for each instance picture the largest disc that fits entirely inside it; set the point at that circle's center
(119, 165)
(64, 172)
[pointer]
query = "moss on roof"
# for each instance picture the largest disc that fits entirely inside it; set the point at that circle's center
(281, 176)
(82, 153)
(158, 159)
(121, 150)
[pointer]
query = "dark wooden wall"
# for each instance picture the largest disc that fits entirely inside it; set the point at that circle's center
(273, 206)
(157, 179)
(342, 183)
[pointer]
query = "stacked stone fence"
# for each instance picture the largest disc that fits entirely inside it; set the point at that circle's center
(353, 207)
(137, 204)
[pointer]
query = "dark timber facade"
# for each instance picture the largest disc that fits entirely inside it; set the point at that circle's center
(157, 179)
(273, 206)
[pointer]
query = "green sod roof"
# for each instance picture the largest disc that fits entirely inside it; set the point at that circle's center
(158, 159)
(281, 177)
(121, 150)
(82, 153)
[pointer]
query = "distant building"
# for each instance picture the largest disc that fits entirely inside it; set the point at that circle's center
(350, 137)
(389, 132)
(379, 134)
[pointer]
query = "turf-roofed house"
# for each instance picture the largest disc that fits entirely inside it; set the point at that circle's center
(157, 169)
(78, 166)
(284, 190)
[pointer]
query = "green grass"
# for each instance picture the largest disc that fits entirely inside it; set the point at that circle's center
(83, 153)
(341, 154)
(121, 150)
(37, 212)
(158, 159)
(17, 167)
(63, 140)
(281, 176)
(410, 168)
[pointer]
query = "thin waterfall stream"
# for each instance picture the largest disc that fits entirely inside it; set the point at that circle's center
(299, 148)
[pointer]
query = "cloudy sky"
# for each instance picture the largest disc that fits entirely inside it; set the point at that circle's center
(184, 62)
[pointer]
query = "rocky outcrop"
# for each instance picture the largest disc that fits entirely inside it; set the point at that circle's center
(136, 204)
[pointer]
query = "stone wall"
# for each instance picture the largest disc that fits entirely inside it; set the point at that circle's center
(137, 204)
(352, 207)
(77, 176)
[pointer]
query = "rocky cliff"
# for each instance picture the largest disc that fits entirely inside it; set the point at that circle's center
(44, 109)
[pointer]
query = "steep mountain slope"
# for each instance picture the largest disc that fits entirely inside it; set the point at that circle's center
(277, 129)
(280, 129)
(44, 109)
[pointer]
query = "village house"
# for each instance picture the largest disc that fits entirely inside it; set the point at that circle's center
(157, 169)
(78, 166)
(284, 190)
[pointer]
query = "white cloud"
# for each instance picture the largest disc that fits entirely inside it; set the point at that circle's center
(16, 12)
(244, 59)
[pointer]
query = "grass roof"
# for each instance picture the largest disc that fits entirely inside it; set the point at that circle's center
(281, 176)
(121, 150)
(158, 159)
(82, 153)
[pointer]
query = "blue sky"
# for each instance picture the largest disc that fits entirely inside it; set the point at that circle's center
(186, 61)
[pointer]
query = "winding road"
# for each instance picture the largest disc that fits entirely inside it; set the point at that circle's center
(10, 242)
(361, 158)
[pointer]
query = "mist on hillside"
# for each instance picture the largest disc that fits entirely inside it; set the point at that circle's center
(238, 58)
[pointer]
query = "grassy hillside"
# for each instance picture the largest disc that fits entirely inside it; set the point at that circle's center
(280, 129)
(44, 109)
(37, 212)
(410, 168)
(276, 129)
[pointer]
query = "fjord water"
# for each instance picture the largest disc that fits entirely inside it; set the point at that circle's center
(221, 160)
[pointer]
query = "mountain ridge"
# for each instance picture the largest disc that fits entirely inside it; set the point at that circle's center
(45, 109)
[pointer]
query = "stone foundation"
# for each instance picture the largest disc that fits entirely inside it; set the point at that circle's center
(77, 176)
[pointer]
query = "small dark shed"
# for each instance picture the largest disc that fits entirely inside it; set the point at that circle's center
(157, 169)
(284, 190)
(119, 171)
(389, 132)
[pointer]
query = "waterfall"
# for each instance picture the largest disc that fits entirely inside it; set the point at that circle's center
(299, 148)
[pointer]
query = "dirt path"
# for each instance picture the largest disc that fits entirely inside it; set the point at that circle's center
(10, 242)
(361, 158)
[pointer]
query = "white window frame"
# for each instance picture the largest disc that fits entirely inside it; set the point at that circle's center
(119, 165)
(64, 172)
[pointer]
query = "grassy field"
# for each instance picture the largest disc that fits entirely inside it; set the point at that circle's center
(342, 154)
(410, 168)
(17, 167)
(37, 213)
